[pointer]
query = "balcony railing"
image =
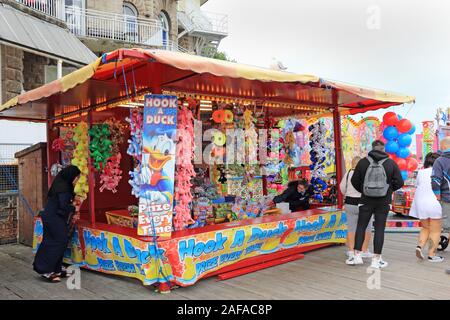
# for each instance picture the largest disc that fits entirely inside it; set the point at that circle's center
(54, 8)
(98, 24)
(209, 22)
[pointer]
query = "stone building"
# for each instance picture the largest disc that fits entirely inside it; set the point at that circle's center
(57, 36)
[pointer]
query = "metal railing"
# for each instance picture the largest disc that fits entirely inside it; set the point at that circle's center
(54, 8)
(209, 21)
(98, 24)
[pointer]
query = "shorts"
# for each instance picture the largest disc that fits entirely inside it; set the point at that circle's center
(445, 217)
(352, 212)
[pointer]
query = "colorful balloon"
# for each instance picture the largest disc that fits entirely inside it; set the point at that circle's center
(390, 133)
(403, 153)
(404, 125)
(411, 164)
(390, 118)
(402, 164)
(404, 140)
(392, 146)
(413, 130)
(404, 175)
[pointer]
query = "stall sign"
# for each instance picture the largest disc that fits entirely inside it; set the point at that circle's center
(158, 165)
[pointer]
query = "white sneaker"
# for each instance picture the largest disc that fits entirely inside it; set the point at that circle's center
(353, 261)
(419, 253)
(349, 253)
(366, 254)
(435, 259)
(378, 263)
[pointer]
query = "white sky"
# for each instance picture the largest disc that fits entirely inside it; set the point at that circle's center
(409, 53)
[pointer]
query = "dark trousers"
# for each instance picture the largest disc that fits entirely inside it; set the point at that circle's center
(380, 212)
(50, 254)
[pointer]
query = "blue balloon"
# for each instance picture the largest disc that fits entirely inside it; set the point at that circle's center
(390, 133)
(403, 153)
(413, 129)
(399, 117)
(404, 140)
(392, 146)
(404, 175)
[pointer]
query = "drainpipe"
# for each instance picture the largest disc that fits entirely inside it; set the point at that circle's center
(59, 69)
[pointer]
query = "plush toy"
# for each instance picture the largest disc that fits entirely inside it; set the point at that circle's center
(80, 159)
(185, 169)
(317, 157)
(58, 144)
(100, 146)
(136, 121)
(111, 174)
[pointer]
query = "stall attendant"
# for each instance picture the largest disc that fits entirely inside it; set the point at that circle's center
(426, 207)
(297, 195)
(55, 219)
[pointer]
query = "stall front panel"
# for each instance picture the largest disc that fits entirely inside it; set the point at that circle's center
(195, 254)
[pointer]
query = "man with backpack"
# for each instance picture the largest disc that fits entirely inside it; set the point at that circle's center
(375, 177)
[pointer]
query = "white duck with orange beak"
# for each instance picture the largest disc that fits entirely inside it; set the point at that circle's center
(158, 186)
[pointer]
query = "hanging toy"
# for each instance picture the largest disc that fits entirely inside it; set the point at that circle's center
(80, 159)
(318, 157)
(248, 119)
(218, 116)
(111, 174)
(185, 170)
(136, 121)
(58, 145)
(100, 146)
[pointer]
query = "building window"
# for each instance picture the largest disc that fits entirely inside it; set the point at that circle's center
(164, 19)
(130, 19)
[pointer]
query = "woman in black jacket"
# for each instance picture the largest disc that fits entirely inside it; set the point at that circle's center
(297, 194)
(55, 219)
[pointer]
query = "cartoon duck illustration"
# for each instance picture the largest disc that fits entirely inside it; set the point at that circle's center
(157, 184)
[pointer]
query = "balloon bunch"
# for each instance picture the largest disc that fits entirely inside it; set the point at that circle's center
(111, 174)
(100, 146)
(80, 159)
(136, 121)
(317, 157)
(398, 135)
(185, 170)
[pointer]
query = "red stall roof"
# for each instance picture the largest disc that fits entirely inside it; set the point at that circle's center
(123, 73)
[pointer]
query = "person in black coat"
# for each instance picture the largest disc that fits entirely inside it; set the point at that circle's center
(379, 206)
(297, 194)
(55, 219)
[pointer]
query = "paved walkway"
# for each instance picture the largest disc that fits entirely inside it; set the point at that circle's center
(322, 274)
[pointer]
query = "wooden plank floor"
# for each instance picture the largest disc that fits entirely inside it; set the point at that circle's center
(322, 274)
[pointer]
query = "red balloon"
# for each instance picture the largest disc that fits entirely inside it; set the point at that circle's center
(402, 163)
(404, 125)
(412, 164)
(392, 156)
(390, 119)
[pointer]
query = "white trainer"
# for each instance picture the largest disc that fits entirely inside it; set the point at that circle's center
(435, 259)
(355, 260)
(378, 263)
(366, 254)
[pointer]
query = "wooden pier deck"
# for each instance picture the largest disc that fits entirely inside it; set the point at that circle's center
(322, 274)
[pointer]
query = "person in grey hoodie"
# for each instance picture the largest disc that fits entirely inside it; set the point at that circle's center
(440, 183)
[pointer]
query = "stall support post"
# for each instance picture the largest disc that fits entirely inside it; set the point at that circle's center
(91, 177)
(52, 157)
(338, 147)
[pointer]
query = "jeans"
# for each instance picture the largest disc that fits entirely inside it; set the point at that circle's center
(380, 212)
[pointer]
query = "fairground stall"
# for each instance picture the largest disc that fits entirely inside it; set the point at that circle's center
(153, 133)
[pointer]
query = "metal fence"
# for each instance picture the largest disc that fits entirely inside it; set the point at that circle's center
(9, 191)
